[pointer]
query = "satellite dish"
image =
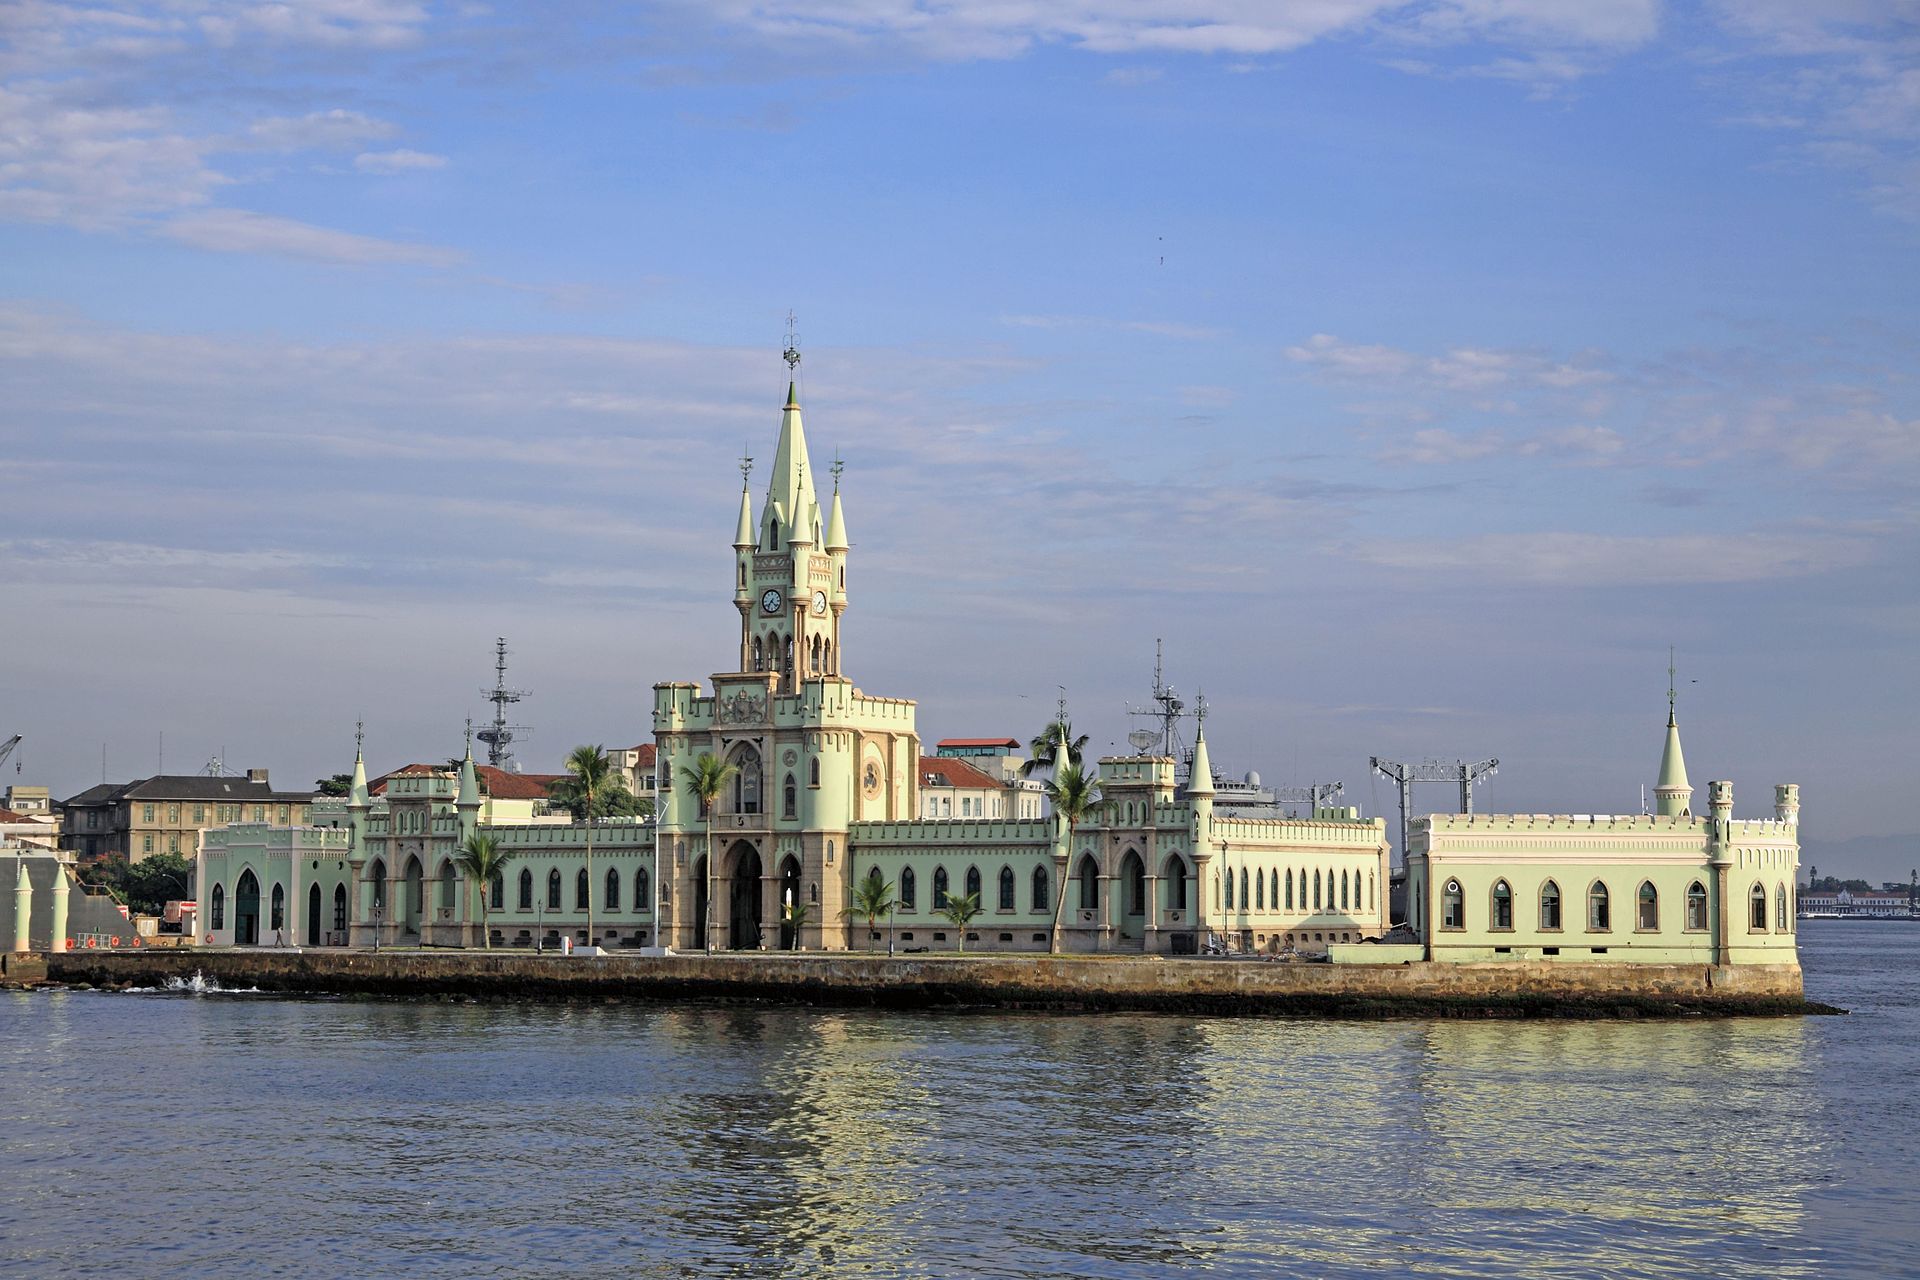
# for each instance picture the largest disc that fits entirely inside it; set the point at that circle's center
(1142, 739)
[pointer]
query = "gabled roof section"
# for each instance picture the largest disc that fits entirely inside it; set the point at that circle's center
(944, 771)
(498, 783)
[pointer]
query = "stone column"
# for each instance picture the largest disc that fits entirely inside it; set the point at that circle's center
(1150, 927)
(22, 907)
(58, 942)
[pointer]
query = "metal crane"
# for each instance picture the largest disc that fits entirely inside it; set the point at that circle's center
(6, 748)
(1318, 794)
(1466, 775)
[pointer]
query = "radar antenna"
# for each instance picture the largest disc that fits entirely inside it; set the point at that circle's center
(500, 736)
(1165, 709)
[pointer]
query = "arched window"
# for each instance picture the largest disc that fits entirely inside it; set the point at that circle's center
(1136, 873)
(553, 889)
(759, 656)
(613, 889)
(1289, 883)
(1757, 904)
(1370, 906)
(1599, 909)
(580, 890)
(642, 884)
(219, 906)
(1550, 906)
(973, 883)
(1245, 901)
(1780, 907)
(377, 877)
(1649, 906)
(908, 888)
(1260, 892)
(526, 889)
(1344, 900)
(939, 888)
(1042, 883)
(1502, 905)
(1089, 885)
(339, 908)
(496, 892)
(813, 772)
(789, 798)
(1316, 889)
(746, 783)
(1176, 884)
(1229, 880)
(1008, 888)
(449, 887)
(278, 920)
(1273, 888)
(1696, 907)
(1453, 906)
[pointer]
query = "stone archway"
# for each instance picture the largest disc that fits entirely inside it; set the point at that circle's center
(413, 901)
(789, 894)
(246, 910)
(1133, 897)
(743, 899)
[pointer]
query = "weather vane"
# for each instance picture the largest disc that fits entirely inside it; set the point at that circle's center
(792, 354)
(469, 735)
(746, 467)
(837, 467)
(359, 735)
(1670, 692)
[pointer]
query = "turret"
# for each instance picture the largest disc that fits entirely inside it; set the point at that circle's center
(61, 888)
(1200, 789)
(1720, 830)
(1786, 803)
(467, 802)
(1672, 794)
(836, 524)
(22, 907)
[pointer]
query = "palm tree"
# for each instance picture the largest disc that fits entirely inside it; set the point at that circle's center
(1073, 793)
(961, 909)
(481, 859)
(794, 916)
(707, 778)
(872, 898)
(591, 770)
(1046, 748)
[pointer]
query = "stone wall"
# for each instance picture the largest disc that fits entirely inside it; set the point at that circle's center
(1186, 986)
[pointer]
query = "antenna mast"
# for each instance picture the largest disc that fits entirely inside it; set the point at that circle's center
(1165, 708)
(499, 736)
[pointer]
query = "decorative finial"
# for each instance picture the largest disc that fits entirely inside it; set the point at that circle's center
(1200, 708)
(837, 467)
(746, 468)
(792, 354)
(359, 736)
(1670, 690)
(469, 735)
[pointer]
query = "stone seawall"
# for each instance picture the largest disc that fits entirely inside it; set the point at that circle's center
(995, 982)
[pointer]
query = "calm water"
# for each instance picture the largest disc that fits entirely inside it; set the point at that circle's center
(237, 1136)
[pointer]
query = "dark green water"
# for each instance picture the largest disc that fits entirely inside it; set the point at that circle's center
(228, 1135)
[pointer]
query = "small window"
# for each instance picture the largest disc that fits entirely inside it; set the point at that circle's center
(1042, 885)
(1007, 891)
(1757, 908)
(973, 883)
(789, 798)
(813, 772)
(1502, 916)
(642, 898)
(908, 888)
(939, 888)
(1260, 892)
(1246, 899)
(1780, 907)
(497, 892)
(553, 889)
(613, 889)
(1599, 909)
(580, 890)
(526, 889)
(1550, 906)
(1289, 883)
(219, 906)
(1696, 907)
(1453, 906)
(1648, 901)
(1229, 885)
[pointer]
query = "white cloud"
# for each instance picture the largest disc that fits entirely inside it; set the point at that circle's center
(1584, 560)
(399, 161)
(237, 231)
(334, 130)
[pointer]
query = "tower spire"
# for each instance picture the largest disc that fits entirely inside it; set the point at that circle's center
(1673, 794)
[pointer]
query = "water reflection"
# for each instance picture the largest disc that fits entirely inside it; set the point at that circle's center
(328, 1138)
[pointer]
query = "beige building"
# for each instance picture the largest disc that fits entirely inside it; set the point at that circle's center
(954, 788)
(166, 814)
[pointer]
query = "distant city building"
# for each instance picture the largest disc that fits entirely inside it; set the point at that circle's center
(635, 765)
(166, 814)
(1895, 902)
(951, 787)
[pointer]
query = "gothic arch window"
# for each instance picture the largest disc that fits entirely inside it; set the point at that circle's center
(1599, 908)
(1780, 907)
(813, 772)
(1757, 907)
(746, 782)
(759, 656)
(832, 670)
(278, 920)
(1007, 889)
(1316, 889)
(1453, 906)
(553, 889)
(1260, 892)
(496, 892)
(1245, 901)
(1176, 884)
(1273, 888)
(1696, 908)
(939, 888)
(580, 890)
(526, 889)
(339, 908)
(973, 883)
(377, 877)
(786, 668)
(1344, 900)
(909, 888)
(219, 906)
(1550, 906)
(1229, 880)
(1370, 887)
(449, 888)
(642, 900)
(1042, 884)
(1502, 916)
(1289, 888)
(789, 798)
(613, 889)
(1648, 907)
(1089, 884)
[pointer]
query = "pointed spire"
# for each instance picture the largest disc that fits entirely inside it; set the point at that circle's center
(1200, 772)
(837, 521)
(357, 793)
(790, 486)
(743, 534)
(469, 777)
(1673, 795)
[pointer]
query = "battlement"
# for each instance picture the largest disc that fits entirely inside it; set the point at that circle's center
(260, 834)
(1136, 771)
(610, 834)
(977, 833)
(1358, 832)
(1544, 822)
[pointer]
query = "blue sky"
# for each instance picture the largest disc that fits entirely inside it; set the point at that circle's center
(1419, 371)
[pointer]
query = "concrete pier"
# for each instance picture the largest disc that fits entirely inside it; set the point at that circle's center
(985, 982)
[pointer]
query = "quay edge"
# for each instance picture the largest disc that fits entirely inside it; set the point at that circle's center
(1208, 987)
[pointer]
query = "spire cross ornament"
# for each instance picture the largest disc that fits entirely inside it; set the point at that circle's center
(837, 467)
(469, 735)
(792, 354)
(1670, 695)
(1200, 708)
(359, 735)
(746, 467)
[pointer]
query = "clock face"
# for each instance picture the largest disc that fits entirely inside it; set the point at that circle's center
(770, 601)
(819, 602)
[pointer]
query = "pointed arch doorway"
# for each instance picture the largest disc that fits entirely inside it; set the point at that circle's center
(246, 910)
(743, 899)
(789, 894)
(313, 915)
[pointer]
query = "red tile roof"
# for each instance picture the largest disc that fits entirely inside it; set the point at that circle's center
(978, 742)
(646, 754)
(943, 771)
(497, 783)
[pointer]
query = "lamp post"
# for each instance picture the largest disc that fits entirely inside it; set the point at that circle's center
(378, 911)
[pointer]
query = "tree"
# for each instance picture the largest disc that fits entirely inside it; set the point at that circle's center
(481, 859)
(707, 777)
(872, 898)
(1073, 792)
(340, 784)
(1046, 748)
(794, 916)
(590, 769)
(960, 911)
(614, 800)
(145, 886)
